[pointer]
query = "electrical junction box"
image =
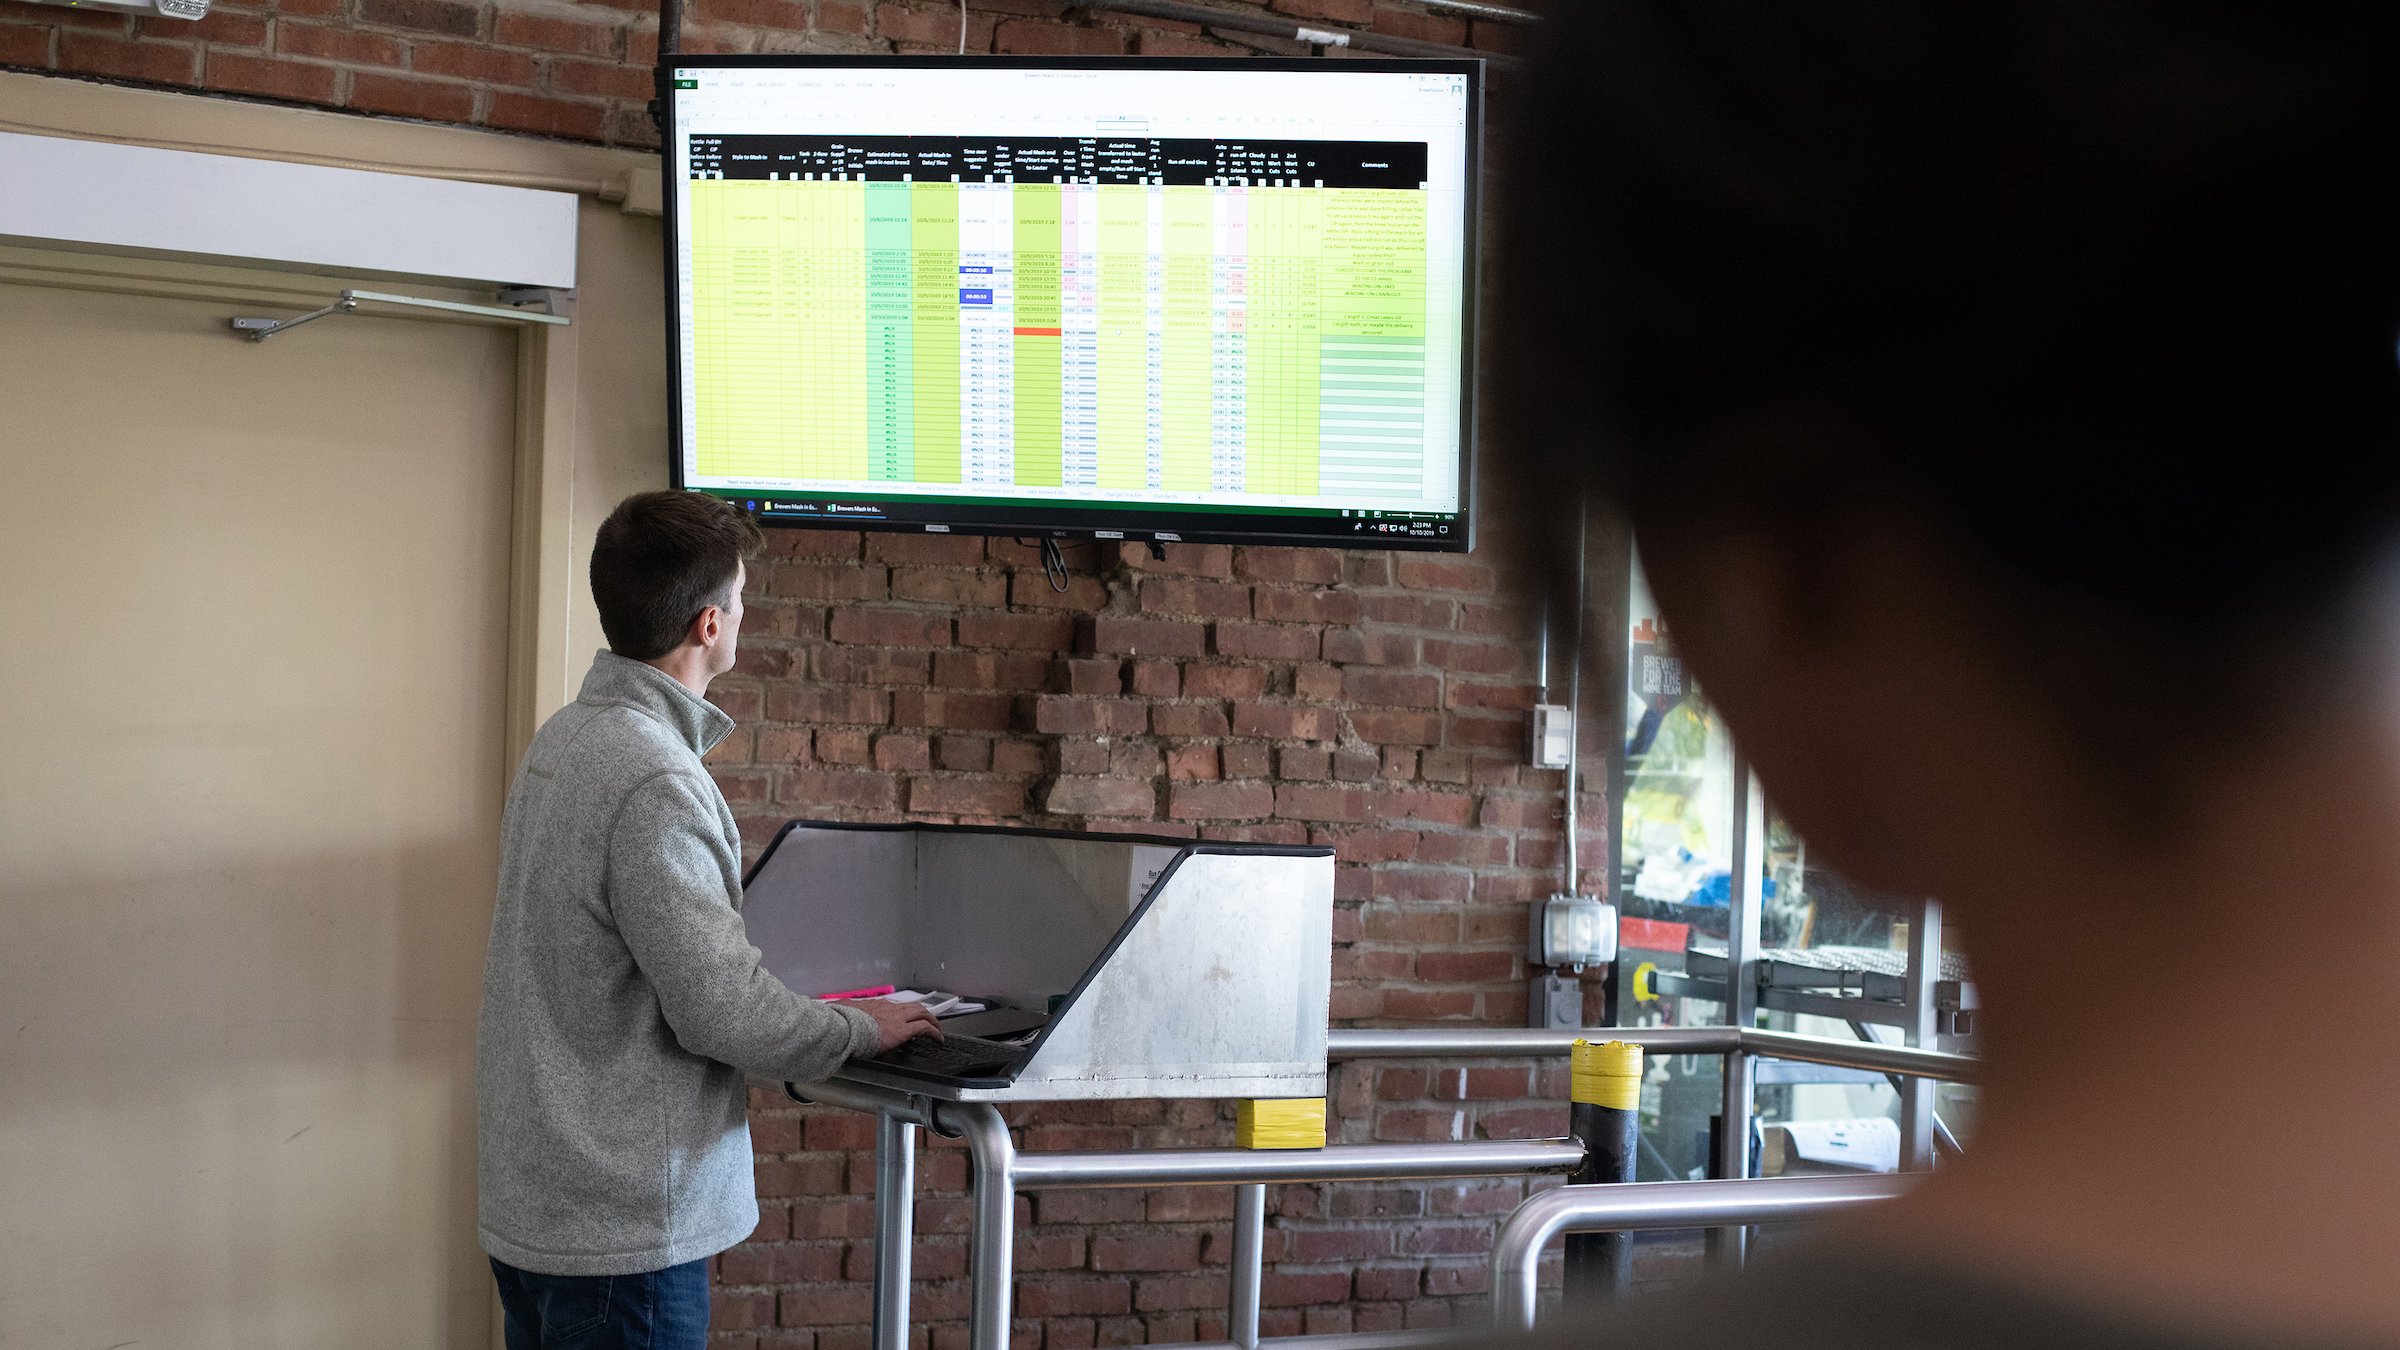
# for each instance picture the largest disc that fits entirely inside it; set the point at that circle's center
(165, 9)
(1553, 736)
(1554, 1001)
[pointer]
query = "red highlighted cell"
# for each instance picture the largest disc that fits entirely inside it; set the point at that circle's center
(1038, 332)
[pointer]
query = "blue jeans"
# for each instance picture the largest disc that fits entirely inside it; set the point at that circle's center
(654, 1310)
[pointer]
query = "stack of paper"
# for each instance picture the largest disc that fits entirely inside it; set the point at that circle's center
(940, 1003)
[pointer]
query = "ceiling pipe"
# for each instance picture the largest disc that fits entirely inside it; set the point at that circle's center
(1476, 9)
(1236, 21)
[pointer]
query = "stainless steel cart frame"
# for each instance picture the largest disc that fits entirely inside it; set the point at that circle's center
(1001, 1172)
(1182, 969)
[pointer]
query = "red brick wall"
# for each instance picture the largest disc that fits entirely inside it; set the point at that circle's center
(583, 70)
(1371, 701)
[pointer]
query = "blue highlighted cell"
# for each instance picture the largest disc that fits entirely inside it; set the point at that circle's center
(981, 297)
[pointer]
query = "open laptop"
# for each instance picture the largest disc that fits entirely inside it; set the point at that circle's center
(980, 1050)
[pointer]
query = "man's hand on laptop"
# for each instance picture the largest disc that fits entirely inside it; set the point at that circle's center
(899, 1022)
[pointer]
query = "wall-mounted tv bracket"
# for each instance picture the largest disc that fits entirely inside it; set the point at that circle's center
(1054, 558)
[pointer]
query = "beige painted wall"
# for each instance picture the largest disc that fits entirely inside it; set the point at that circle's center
(615, 423)
(268, 608)
(621, 413)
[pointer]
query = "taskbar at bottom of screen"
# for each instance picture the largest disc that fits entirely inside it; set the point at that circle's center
(1363, 528)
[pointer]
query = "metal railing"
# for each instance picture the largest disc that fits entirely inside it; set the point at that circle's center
(1516, 1253)
(1496, 1043)
(1001, 1172)
(1503, 1042)
(1604, 1205)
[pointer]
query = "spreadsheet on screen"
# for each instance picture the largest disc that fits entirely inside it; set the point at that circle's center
(1164, 287)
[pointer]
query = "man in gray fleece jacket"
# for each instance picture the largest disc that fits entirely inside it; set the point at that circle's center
(622, 1001)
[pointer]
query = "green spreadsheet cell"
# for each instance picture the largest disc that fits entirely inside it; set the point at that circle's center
(1121, 336)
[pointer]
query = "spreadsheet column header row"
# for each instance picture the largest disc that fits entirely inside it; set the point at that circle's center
(1173, 162)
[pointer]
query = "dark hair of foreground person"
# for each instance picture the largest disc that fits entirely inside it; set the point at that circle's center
(2005, 401)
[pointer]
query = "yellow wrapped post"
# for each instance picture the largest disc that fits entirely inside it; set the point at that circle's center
(1608, 1074)
(1289, 1122)
(1605, 1084)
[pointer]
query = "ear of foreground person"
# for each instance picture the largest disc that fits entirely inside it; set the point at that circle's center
(2004, 400)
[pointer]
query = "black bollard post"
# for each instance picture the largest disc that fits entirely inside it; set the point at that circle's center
(1606, 1115)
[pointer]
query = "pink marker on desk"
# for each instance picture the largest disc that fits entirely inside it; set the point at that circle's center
(877, 991)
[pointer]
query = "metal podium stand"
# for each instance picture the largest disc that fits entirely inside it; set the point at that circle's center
(1169, 968)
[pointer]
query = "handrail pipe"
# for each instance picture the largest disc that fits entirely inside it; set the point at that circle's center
(1516, 1255)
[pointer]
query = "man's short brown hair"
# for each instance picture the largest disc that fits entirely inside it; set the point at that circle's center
(662, 557)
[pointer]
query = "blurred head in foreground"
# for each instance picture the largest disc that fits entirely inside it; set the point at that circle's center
(2004, 399)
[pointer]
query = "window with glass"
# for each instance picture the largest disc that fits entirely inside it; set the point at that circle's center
(1832, 955)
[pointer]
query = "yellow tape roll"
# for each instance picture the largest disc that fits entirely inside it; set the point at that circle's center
(1609, 1074)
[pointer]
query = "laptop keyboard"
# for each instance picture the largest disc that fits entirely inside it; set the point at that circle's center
(960, 1056)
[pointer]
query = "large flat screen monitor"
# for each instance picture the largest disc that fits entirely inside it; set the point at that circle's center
(1150, 299)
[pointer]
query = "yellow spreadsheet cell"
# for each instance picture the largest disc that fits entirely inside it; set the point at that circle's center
(1123, 336)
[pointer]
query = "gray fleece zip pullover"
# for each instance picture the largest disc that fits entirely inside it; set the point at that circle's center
(622, 1000)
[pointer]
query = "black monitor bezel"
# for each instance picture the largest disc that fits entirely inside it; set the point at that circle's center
(1105, 522)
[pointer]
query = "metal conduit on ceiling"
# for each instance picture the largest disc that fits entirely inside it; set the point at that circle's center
(1260, 22)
